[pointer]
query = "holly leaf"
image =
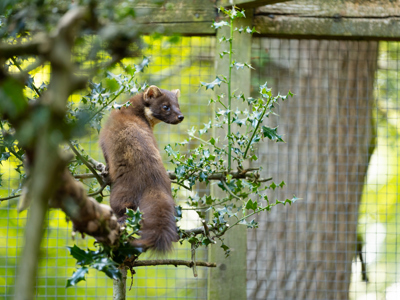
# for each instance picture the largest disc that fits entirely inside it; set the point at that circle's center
(4, 157)
(77, 276)
(140, 67)
(238, 65)
(211, 85)
(251, 205)
(217, 25)
(272, 134)
(133, 219)
(251, 30)
(108, 267)
(82, 257)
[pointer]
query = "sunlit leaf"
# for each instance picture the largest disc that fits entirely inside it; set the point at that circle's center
(77, 276)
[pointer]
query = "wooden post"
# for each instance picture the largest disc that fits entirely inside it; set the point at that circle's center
(228, 280)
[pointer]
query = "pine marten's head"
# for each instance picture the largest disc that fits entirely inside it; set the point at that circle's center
(162, 105)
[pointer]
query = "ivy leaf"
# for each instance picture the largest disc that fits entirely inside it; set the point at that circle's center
(211, 85)
(272, 134)
(77, 276)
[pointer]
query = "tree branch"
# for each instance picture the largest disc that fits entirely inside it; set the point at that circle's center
(173, 262)
(98, 191)
(40, 44)
(84, 176)
(9, 198)
(245, 174)
(86, 163)
(87, 215)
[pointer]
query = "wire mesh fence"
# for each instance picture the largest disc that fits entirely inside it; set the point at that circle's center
(341, 157)
(176, 63)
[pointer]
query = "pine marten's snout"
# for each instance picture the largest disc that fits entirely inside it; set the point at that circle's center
(180, 118)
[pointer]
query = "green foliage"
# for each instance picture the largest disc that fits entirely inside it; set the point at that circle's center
(213, 160)
(105, 259)
(244, 190)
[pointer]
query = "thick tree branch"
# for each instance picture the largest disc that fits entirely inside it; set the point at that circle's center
(40, 44)
(87, 215)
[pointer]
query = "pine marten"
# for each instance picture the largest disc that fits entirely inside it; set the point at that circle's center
(138, 176)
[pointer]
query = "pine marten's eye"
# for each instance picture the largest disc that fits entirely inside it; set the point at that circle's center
(165, 107)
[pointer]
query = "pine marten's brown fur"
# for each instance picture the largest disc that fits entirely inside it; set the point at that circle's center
(137, 173)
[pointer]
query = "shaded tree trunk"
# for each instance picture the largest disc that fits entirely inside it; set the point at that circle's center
(306, 251)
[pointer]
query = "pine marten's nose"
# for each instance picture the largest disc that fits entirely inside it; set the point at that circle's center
(181, 117)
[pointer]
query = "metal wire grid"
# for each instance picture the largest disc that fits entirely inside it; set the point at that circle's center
(331, 126)
(173, 65)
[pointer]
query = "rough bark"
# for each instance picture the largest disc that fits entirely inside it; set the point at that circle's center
(87, 215)
(306, 251)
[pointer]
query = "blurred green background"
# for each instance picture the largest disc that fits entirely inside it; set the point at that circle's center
(181, 63)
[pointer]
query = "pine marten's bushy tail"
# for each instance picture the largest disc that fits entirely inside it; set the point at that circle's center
(159, 230)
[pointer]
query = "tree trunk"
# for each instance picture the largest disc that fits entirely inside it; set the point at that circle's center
(305, 251)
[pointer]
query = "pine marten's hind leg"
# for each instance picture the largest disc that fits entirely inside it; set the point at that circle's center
(120, 200)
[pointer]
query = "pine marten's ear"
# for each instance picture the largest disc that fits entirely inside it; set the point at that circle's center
(152, 92)
(177, 93)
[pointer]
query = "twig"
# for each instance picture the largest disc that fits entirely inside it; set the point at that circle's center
(99, 190)
(245, 174)
(173, 262)
(84, 176)
(203, 141)
(255, 129)
(22, 71)
(197, 230)
(207, 232)
(9, 198)
(229, 190)
(86, 163)
(182, 185)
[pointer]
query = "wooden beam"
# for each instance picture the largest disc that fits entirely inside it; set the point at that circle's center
(193, 17)
(330, 19)
(250, 3)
